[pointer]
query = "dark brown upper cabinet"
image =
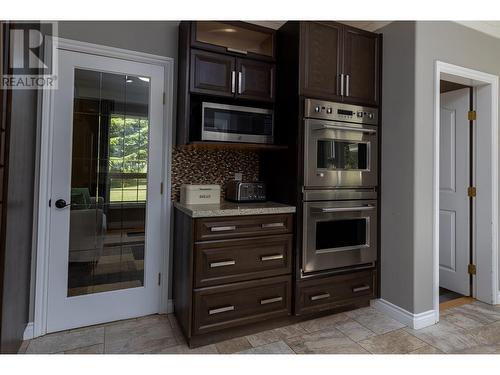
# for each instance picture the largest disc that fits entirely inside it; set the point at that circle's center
(222, 75)
(236, 38)
(255, 80)
(320, 60)
(339, 63)
(223, 62)
(360, 66)
(212, 73)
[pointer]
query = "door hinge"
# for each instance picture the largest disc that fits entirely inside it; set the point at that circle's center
(163, 98)
(471, 115)
(161, 188)
(471, 191)
(159, 279)
(471, 269)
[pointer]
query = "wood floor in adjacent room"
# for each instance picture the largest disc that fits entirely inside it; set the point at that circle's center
(469, 328)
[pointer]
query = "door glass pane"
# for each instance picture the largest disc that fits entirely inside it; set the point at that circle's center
(348, 232)
(234, 37)
(108, 182)
(342, 155)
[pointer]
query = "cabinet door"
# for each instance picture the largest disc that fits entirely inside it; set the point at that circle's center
(212, 74)
(361, 68)
(234, 38)
(255, 80)
(320, 51)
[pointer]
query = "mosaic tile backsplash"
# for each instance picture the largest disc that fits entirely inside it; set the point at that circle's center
(211, 166)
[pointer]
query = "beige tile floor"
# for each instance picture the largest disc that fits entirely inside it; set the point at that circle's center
(472, 328)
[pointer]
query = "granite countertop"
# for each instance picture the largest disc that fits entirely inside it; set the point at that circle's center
(234, 209)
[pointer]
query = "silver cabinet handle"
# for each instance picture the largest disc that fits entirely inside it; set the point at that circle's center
(346, 128)
(271, 300)
(320, 296)
(221, 310)
(347, 84)
(223, 229)
(239, 82)
(321, 174)
(344, 209)
(235, 50)
(273, 225)
(342, 84)
(360, 288)
(265, 258)
(222, 264)
(233, 81)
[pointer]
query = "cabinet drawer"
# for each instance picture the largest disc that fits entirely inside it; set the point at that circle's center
(244, 226)
(239, 260)
(241, 303)
(335, 291)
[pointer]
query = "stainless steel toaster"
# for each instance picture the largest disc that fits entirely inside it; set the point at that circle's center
(237, 191)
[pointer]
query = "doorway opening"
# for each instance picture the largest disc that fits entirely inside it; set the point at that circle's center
(465, 187)
(456, 179)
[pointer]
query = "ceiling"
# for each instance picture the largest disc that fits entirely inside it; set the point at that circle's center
(488, 27)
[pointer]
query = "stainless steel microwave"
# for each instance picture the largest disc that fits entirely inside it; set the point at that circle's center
(231, 123)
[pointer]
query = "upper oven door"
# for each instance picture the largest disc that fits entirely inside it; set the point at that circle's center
(339, 234)
(232, 123)
(339, 154)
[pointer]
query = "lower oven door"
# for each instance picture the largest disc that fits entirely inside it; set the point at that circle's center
(339, 234)
(340, 154)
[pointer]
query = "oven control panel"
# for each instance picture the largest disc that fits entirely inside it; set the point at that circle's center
(323, 110)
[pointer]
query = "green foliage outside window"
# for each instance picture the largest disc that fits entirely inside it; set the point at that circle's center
(128, 158)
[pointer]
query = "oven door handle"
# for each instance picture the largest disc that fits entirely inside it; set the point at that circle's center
(346, 128)
(344, 209)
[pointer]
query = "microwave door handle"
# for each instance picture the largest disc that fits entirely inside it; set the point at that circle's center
(347, 128)
(344, 209)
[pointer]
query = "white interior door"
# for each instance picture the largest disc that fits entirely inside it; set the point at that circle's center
(453, 183)
(107, 131)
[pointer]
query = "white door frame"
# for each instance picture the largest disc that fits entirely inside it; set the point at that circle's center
(42, 253)
(489, 122)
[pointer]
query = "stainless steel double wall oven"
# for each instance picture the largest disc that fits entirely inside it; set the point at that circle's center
(340, 187)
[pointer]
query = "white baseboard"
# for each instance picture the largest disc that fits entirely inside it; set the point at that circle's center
(170, 306)
(29, 332)
(415, 321)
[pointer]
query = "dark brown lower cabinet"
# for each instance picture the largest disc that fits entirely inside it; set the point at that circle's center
(233, 277)
(239, 275)
(339, 291)
(241, 303)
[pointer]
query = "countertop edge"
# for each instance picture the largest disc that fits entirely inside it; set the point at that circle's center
(221, 212)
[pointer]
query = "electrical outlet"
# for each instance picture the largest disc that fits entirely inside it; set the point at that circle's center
(238, 176)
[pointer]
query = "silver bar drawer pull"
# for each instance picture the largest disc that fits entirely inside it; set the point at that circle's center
(360, 288)
(221, 310)
(233, 81)
(271, 300)
(320, 296)
(271, 257)
(273, 225)
(222, 264)
(223, 229)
